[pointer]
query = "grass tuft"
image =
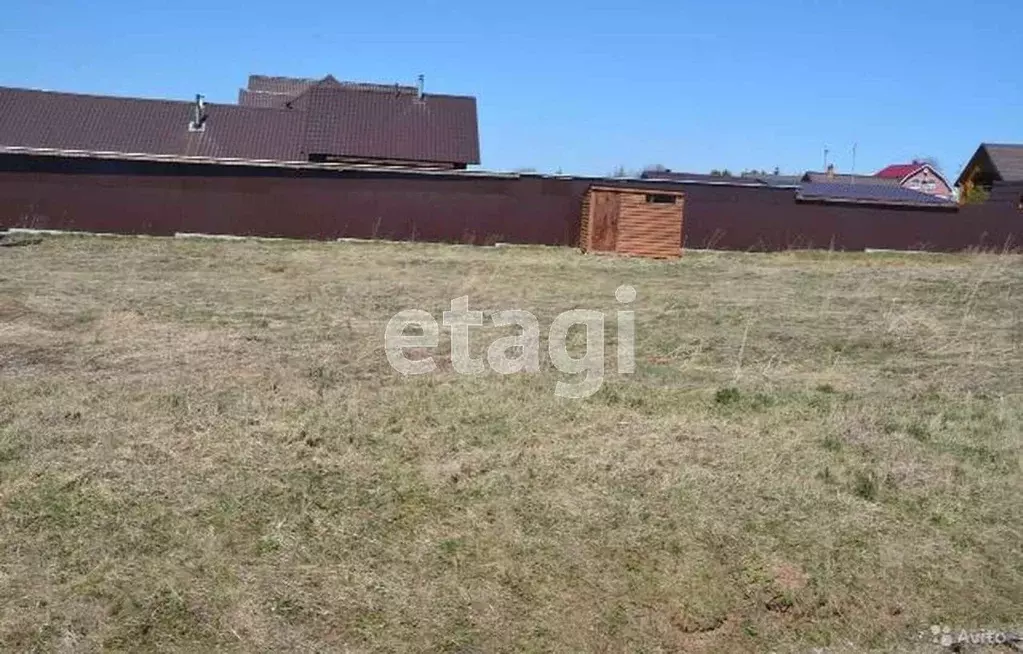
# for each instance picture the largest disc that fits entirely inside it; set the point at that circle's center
(727, 396)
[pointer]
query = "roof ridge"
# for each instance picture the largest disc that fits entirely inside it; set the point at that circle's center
(100, 96)
(331, 81)
(384, 88)
(250, 107)
(123, 98)
(837, 173)
(285, 78)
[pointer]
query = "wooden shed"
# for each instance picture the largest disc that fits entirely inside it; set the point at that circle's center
(634, 221)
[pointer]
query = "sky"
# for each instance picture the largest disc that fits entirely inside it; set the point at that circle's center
(584, 87)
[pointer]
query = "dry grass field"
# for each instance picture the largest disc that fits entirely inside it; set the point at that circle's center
(203, 447)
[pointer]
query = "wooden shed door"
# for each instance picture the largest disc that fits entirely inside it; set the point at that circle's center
(604, 226)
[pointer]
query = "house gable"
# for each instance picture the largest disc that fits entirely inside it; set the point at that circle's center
(979, 166)
(927, 180)
(993, 162)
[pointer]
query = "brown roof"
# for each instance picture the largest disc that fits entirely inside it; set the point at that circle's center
(354, 121)
(65, 121)
(1000, 161)
(1007, 159)
(286, 85)
(294, 85)
(264, 99)
(266, 91)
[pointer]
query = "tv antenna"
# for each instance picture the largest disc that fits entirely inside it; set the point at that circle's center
(852, 175)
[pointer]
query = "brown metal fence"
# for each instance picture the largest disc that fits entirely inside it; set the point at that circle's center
(164, 198)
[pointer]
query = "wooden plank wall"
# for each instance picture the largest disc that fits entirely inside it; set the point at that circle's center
(650, 229)
(584, 225)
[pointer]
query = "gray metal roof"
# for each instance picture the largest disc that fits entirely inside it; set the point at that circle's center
(883, 194)
(700, 178)
(848, 178)
(779, 180)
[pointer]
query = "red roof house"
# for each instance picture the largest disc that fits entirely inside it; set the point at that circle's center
(917, 176)
(897, 171)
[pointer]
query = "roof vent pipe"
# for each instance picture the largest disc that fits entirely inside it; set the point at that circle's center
(199, 116)
(420, 87)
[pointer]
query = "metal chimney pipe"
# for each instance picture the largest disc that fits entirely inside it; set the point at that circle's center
(198, 114)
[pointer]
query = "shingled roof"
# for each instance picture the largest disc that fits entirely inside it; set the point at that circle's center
(1008, 160)
(1001, 161)
(277, 119)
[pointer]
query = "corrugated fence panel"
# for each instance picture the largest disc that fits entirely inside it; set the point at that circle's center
(164, 198)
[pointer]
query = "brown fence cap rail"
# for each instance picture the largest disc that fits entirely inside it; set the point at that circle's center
(638, 189)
